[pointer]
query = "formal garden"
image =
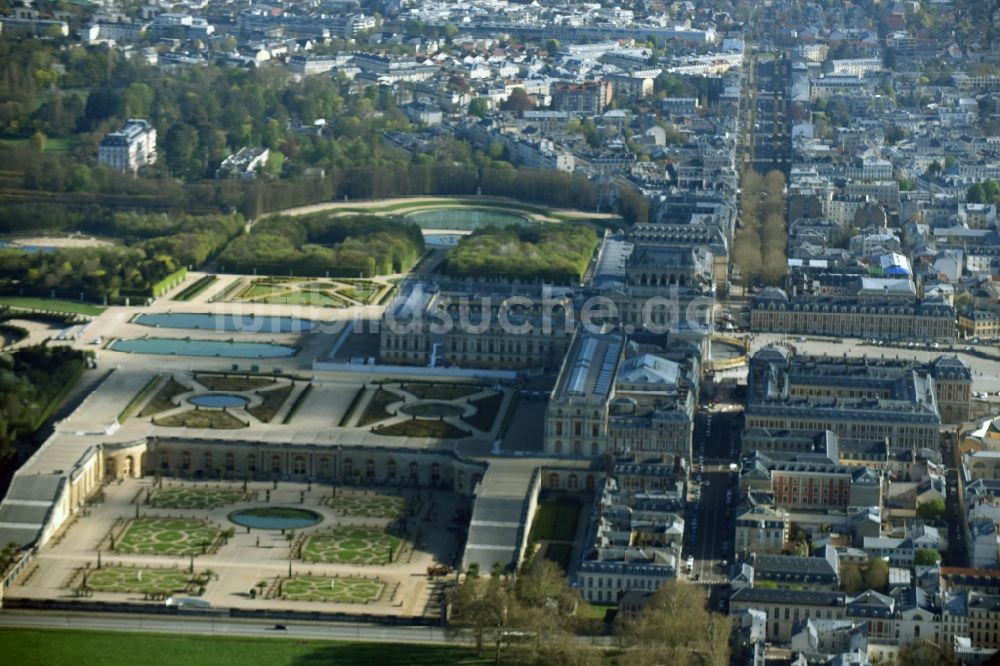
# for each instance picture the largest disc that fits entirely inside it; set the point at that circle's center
(195, 498)
(330, 589)
(167, 536)
(262, 398)
(162, 582)
(367, 506)
(436, 410)
(351, 545)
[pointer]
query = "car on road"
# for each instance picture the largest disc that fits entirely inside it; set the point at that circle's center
(280, 627)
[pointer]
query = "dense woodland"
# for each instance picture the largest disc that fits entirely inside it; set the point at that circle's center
(556, 253)
(357, 246)
(32, 381)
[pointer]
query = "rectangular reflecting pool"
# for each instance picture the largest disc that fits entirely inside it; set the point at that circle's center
(221, 348)
(229, 323)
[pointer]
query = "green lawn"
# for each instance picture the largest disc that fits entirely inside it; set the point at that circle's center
(51, 305)
(34, 647)
(556, 520)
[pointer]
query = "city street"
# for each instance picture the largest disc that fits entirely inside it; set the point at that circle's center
(709, 525)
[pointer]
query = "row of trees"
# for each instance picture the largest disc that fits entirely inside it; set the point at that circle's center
(553, 253)
(533, 618)
(358, 246)
(760, 245)
(31, 380)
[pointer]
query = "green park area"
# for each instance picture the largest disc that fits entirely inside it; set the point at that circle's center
(331, 589)
(195, 498)
(167, 536)
(145, 581)
(351, 545)
(95, 648)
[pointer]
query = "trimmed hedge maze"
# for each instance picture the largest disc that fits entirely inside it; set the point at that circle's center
(195, 498)
(147, 581)
(368, 506)
(352, 545)
(336, 590)
(168, 536)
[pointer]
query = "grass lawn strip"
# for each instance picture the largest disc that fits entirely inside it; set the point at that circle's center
(51, 305)
(97, 648)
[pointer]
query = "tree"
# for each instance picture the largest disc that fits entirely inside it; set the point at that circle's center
(676, 628)
(924, 654)
(479, 106)
(480, 606)
(926, 557)
(850, 579)
(518, 102)
(932, 510)
(877, 574)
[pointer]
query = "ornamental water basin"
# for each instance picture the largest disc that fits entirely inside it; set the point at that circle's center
(275, 518)
(218, 400)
